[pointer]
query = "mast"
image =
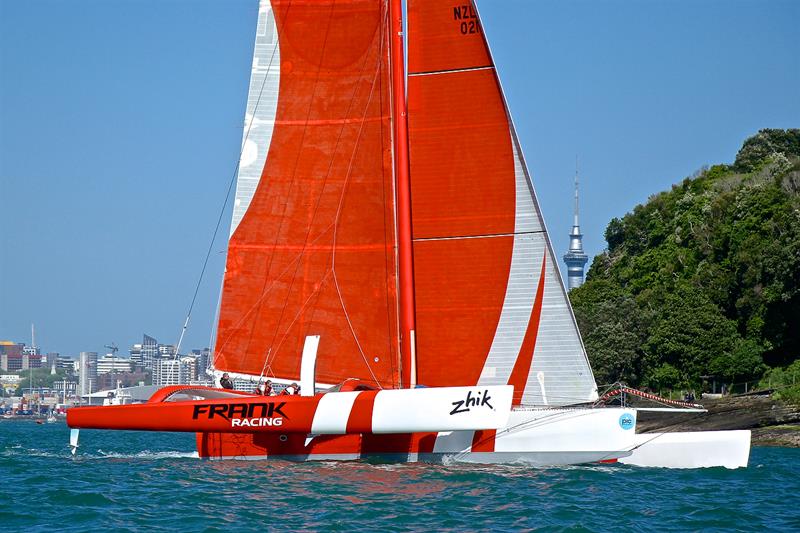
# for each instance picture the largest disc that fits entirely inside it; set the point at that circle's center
(405, 250)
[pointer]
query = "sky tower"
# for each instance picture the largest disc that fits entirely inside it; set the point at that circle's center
(575, 258)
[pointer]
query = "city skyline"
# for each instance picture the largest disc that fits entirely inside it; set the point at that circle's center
(115, 180)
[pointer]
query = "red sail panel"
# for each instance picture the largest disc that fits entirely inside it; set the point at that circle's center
(314, 252)
(460, 285)
(463, 191)
(445, 35)
(461, 158)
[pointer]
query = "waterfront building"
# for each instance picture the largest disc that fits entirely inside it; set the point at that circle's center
(51, 359)
(575, 258)
(174, 371)
(9, 382)
(136, 356)
(109, 380)
(166, 350)
(203, 357)
(11, 356)
(65, 362)
(65, 388)
(30, 359)
(87, 372)
(149, 351)
(113, 363)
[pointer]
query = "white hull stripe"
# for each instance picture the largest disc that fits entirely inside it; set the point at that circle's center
(413, 410)
(333, 412)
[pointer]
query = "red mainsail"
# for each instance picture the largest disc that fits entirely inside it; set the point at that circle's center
(314, 252)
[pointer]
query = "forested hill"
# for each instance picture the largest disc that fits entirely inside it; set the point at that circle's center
(704, 279)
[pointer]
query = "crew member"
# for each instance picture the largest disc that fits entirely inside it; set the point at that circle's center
(225, 381)
(291, 390)
(267, 388)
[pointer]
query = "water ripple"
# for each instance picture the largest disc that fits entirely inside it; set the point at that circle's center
(135, 481)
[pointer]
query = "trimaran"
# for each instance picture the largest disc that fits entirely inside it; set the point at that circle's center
(388, 252)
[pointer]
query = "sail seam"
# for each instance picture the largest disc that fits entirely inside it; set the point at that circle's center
(424, 239)
(450, 71)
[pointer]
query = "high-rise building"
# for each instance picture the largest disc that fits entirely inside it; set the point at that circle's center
(149, 351)
(171, 371)
(110, 380)
(136, 356)
(113, 363)
(87, 372)
(31, 360)
(65, 362)
(575, 258)
(11, 356)
(52, 359)
(166, 350)
(203, 357)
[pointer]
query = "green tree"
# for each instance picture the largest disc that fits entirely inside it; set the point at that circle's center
(704, 278)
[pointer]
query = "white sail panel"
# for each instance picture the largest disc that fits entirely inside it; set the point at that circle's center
(262, 103)
(560, 373)
(526, 260)
(523, 278)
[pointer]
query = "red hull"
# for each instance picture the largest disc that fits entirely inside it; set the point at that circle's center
(292, 446)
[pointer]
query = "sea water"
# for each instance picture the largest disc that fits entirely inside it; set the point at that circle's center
(129, 481)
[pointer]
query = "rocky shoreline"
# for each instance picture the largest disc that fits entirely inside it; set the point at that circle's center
(773, 422)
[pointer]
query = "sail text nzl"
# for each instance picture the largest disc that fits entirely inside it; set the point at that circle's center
(465, 14)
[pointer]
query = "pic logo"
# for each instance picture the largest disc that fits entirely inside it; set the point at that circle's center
(626, 421)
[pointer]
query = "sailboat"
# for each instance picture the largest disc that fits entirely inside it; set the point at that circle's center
(387, 251)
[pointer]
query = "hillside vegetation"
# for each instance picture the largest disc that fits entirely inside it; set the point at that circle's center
(704, 279)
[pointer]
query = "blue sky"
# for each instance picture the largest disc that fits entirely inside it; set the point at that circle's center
(120, 126)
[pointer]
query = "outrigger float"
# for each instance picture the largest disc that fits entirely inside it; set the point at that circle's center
(388, 216)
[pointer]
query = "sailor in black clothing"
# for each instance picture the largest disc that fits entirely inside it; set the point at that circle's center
(291, 390)
(225, 381)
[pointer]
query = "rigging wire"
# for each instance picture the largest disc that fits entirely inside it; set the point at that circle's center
(273, 347)
(267, 284)
(336, 226)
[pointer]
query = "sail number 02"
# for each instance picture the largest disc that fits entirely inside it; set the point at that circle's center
(470, 27)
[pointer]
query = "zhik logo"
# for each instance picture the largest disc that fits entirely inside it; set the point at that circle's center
(479, 400)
